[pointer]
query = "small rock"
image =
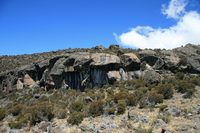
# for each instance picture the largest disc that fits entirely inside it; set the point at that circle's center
(174, 111)
(165, 131)
(43, 126)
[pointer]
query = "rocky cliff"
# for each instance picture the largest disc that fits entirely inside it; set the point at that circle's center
(99, 66)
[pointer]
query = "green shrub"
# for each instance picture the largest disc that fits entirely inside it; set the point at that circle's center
(150, 99)
(2, 113)
(121, 107)
(162, 107)
(40, 112)
(110, 92)
(16, 109)
(169, 80)
(75, 118)
(195, 81)
(60, 113)
(120, 96)
(96, 108)
(139, 83)
(183, 60)
(111, 111)
(189, 93)
(134, 98)
(143, 89)
(165, 89)
(184, 86)
(100, 95)
(76, 106)
(180, 75)
(129, 82)
(23, 118)
(15, 125)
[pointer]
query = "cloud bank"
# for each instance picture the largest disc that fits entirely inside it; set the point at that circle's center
(186, 30)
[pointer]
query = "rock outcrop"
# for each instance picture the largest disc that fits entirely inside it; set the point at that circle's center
(80, 70)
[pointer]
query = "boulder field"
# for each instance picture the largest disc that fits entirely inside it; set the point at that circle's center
(81, 70)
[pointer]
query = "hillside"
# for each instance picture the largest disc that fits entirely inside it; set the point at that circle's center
(102, 90)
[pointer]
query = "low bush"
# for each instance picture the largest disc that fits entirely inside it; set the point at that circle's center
(165, 89)
(75, 118)
(2, 113)
(24, 118)
(16, 110)
(111, 111)
(150, 99)
(110, 92)
(76, 106)
(183, 60)
(134, 98)
(184, 86)
(189, 93)
(143, 89)
(100, 95)
(180, 75)
(40, 112)
(195, 81)
(60, 113)
(96, 108)
(121, 107)
(120, 96)
(162, 107)
(15, 125)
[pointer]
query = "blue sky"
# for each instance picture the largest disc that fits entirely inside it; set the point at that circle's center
(34, 26)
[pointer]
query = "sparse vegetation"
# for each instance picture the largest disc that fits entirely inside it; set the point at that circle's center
(165, 89)
(2, 113)
(21, 108)
(121, 107)
(75, 118)
(184, 86)
(96, 108)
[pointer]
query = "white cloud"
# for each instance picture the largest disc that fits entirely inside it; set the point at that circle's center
(175, 9)
(186, 30)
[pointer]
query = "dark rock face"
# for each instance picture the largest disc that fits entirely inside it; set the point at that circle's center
(113, 47)
(80, 70)
(130, 61)
(194, 63)
(152, 77)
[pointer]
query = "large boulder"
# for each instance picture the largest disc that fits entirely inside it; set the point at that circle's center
(146, 53)
(151, 77)
(82, 61)
(28, 80)
(158, 64)
(114, 76)
(19, 84)
(98, 48)
(135, 74)
(58, 67)
(171, 62)
(114, 47)
(130, 61)
(101, 59)
(194, 63)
